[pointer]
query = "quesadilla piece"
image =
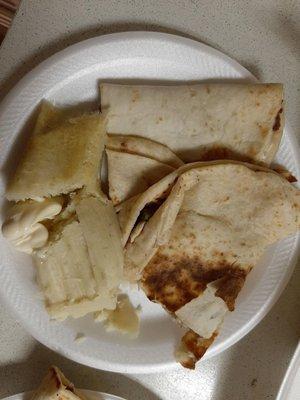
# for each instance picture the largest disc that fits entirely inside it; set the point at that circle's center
(194, 253)
(63, 154)
(201, 121)
(56, 386)
(143, 147)
(131, 211)
(130, 174)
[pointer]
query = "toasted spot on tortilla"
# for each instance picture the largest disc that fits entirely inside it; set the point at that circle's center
(56, 378)
(70, 388)
(264, 130)
(175, 281)
(252, 151)
(277, 121)
(229, 289)
(135, 95)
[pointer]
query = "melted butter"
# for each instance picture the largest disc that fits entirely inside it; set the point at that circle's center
(23, 228)
(124, 318)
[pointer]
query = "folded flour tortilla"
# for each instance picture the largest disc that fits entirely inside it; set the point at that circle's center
(56, 386)
(201, 121)
(131, 174)
(135, 163)
(143, 147)
(194, 253)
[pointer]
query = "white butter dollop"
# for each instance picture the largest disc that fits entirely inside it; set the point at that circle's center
(205, 313)
(23, 229)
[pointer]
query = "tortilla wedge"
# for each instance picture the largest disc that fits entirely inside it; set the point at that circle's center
(130, 174)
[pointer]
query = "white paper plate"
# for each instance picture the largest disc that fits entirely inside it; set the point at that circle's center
(90, 395)
(70, 77)
(290, 387)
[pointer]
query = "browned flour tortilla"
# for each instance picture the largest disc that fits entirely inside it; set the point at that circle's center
(135, 163)
(193, 255)
(200, 121)
(131, 174)
(55, 386)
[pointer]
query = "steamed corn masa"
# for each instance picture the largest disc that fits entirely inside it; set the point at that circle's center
(81, 268)
(62, 155)
(100, 227)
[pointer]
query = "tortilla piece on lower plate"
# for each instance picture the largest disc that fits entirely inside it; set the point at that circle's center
(56, 386)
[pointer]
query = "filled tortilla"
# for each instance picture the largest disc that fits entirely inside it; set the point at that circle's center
(201, 121)
(193, 255)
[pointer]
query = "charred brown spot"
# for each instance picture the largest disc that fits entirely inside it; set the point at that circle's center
(252, 151)
(229, 288)
(135, 95)
(291, 178)
(218, 152)
(277, 121)
(70, 388)
(264, 130)
(175, 282)
(56, 378)
(124, 145)
(285, 173)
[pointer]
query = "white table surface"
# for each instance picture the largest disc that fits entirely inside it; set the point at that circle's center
(264, 36)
